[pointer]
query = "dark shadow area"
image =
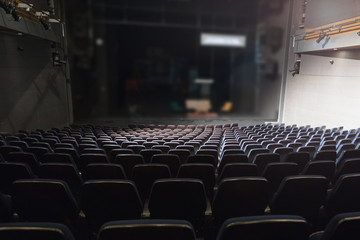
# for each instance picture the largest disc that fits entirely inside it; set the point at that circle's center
(133, 59)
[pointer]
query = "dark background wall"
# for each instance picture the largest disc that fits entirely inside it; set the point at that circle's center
(134, 55)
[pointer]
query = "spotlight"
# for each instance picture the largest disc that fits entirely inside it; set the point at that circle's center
(296, 69)
(10, 9)
(15, 15)
(321, 37)
(44, 23)
(57, 60)
(26, 6)
(6, 6)
(358, 33)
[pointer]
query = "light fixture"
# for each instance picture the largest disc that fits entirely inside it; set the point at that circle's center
(26, 6)
(15, 15)
(9, 9)
(44, 23)
(322, 35)
(6, 6)
(222, 40)
(296, 69)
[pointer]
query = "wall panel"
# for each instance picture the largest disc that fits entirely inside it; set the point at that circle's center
(33, 92)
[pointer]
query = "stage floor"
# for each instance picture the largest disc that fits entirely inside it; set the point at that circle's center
(176, 120)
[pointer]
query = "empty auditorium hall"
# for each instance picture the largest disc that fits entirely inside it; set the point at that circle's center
(179, 120)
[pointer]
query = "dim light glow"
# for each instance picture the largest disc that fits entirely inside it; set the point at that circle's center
(223, 40)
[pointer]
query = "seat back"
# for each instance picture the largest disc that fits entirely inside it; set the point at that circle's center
(262, 159)
(144, 175)
(93, 150)
(209, 159)
(57, 158)
(9, 172)
(212, 152)
(309, 149)
(276, 172)
(5, 208)
(117, 151)
(44, 200)
(341, 226)
(164, 148)
(256, 151)
(204, 172)
(232, 158)
(300, 195)
(22, 144)
(147, 229)
(72, 151)
(136, 148)
(26, 158)
(87, 158)
(108, 200)
(324, 168)
(300, 158)
(351, 165)
(244, 196)
(63, 171)
(343, 147)
(325, 155)
(231, 170)
(187, 147)
(345, 195)
(171, 160)
(283, 152)
(97, 171)
(6, 149)
(182, 153)
(178, 199)
(42, 144)
(280, 227)
(35, 231)
(348, 154)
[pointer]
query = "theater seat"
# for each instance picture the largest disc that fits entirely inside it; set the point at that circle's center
(171, 160)
(232, 158)
(342, 226)
(238, 170)
(25, 158)
(300, 195)
(35, 231)
(276, 172)
(128, 161)
(63, 171)
(300, 158)
(96, 171)
(44, 200)
(147, 229)
(9, 172)
(109, 200)
(270, 227)
(178, 199)
(243, 196)
(344, 196)
(144, 175)
(202, 171)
